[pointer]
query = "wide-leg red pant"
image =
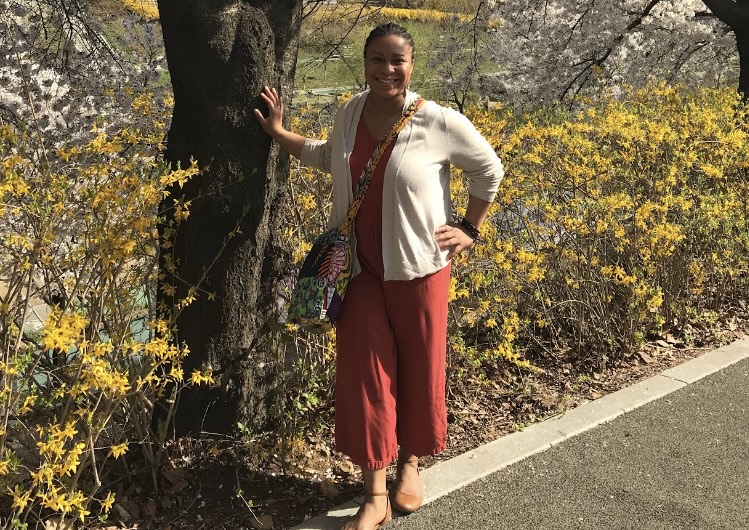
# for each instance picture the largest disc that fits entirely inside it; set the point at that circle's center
(391, 338)
(390, 373)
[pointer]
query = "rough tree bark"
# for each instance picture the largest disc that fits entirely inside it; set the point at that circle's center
(735, 13)
(220, 54)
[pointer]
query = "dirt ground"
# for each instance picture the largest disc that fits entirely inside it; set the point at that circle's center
(220, 483)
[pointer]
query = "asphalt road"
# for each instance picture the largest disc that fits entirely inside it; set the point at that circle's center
(680, 462)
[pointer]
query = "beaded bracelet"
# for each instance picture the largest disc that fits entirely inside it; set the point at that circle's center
(471, 230)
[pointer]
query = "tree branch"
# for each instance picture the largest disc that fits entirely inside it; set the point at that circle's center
(336, 46)
(585, 74)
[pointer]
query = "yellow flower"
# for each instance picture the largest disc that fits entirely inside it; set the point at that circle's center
(106, 504)
(198, 378)
(177, 373)
(452, 292)
(118, 450)
(21, 499)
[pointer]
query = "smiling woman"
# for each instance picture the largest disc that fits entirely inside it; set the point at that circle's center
(392, 329)
(388, 64)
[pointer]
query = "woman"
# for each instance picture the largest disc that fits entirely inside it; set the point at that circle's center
(392, 332)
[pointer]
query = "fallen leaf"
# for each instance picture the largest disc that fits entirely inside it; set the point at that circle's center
(329, 489)
(131, 507)
(173, 475)
(179, 486)
(122, 513)
(347, 466)
(151, 507)
(549, 401)
(647, 359)
(264, 522)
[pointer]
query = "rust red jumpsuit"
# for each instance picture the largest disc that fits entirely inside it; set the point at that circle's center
(390, 344)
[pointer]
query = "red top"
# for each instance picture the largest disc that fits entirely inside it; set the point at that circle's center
(368, 224)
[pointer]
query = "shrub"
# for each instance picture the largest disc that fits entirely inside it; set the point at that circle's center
(616, 221)
(77, 387)
(147, 9)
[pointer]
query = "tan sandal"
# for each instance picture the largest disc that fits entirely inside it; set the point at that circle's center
(406, 502)
(388, 509)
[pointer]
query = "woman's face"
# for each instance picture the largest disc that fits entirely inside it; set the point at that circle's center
(388, 64)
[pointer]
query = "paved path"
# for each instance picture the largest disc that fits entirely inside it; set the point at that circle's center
(671, 452)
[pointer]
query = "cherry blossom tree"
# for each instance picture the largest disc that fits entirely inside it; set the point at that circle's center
(550, 50)
(464, 53)
(61, 70)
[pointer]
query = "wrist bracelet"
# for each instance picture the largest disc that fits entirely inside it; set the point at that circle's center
(471, 230)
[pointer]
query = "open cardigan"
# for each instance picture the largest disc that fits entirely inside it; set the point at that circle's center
(416, 188)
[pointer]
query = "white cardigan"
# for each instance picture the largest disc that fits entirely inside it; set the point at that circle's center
(416, 188)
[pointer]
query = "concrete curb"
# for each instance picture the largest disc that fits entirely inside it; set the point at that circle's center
(453, 474)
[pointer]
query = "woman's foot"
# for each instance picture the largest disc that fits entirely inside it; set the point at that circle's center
(409, 492)
(374, 512)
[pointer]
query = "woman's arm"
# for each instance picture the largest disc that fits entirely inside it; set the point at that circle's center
(290, 142)
(476, 211)
(470, 151)
(457, 238)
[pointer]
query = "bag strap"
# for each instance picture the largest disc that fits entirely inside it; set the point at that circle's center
(369, 168)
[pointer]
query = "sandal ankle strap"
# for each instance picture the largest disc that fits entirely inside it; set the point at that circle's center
(371, 494)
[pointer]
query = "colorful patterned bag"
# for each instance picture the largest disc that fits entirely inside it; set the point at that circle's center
(326, 271)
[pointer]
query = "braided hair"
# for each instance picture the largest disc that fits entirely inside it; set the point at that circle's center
(389, 28)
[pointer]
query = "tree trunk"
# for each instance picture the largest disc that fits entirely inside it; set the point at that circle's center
(735, 14)
(742, 43)
(220, 54)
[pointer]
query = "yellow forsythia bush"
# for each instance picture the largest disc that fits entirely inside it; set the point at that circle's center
(623, 218)
(83, 352)
(431, 16)
(419, 15)
(147, 9)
